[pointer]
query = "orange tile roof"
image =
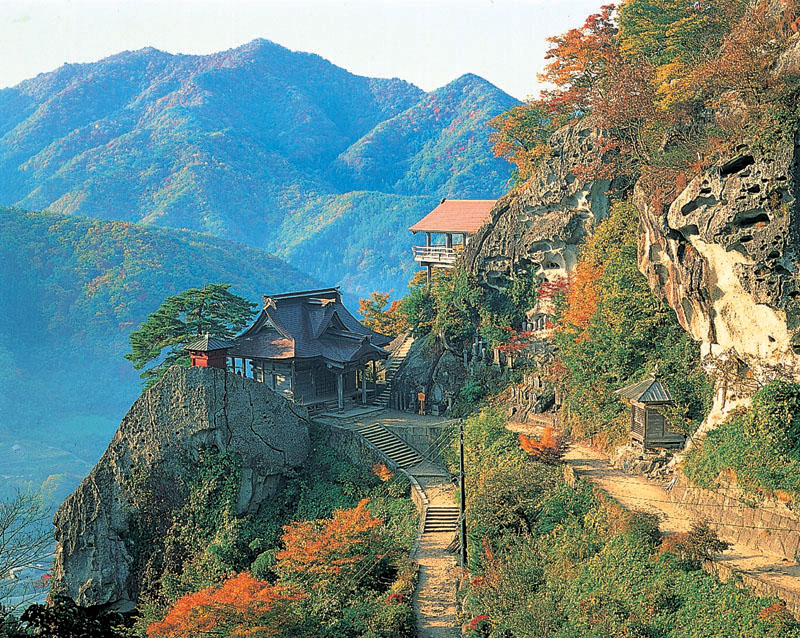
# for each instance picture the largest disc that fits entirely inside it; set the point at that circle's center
(455, 216)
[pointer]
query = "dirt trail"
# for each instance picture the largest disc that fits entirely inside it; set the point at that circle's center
(768, 573)
(435, 596)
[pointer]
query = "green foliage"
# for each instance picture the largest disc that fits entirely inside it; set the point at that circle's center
(756, 447)
(64, 619)
(630, 332)
(202, 542)
(455, 306)
(181, 319)
(80, 287)
(553, 560)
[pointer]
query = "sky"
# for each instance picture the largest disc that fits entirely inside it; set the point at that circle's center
(427, 43)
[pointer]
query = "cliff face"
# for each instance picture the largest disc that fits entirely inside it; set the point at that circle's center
(724, 255)
(539, 226)
(188, 410)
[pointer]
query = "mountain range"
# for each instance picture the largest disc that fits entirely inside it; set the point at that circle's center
(73, 289)
(276, 149)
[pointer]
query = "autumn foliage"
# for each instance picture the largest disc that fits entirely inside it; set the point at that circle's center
(316, 551)
(674, 86)
(582, 297)
(377, 317)
(548, 449)
(382, 472)
(242, 606)
(321, 564)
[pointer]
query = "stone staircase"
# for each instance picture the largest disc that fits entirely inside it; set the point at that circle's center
(393, 364)
(441, 519)
(391, 445)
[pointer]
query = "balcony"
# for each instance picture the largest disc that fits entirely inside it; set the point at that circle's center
(441, 256)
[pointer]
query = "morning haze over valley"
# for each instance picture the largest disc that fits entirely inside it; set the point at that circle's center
(292, 349)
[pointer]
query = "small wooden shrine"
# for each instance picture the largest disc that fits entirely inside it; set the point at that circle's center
(209, 352)
(648, 426)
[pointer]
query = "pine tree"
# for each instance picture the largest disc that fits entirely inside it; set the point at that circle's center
(180, 320)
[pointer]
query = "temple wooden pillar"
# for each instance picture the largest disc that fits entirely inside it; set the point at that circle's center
(340, 390)
(364, 386)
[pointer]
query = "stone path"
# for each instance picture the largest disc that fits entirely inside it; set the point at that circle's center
(435, 596)
(434, 601)
(766, 573)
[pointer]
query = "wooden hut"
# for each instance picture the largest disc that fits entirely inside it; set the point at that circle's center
(648, 426)
(209, 352)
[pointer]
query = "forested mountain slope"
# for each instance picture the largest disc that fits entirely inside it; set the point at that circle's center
(278, 149)
(76, 287)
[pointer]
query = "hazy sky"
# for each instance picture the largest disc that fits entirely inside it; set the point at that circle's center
(427, 43)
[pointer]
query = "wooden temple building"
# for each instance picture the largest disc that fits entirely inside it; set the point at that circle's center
(305, 345)
(648, 426)
(457, 220)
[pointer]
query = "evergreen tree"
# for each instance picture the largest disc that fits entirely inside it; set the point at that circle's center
(180, 320)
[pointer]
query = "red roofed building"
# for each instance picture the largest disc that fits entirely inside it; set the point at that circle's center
(308, 346)
(452, 217)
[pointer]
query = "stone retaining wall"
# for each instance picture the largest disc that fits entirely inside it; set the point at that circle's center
(769, 527)
(421, 437)
(358, 450)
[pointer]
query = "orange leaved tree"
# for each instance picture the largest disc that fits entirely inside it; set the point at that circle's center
(389, 321)
(242, 606)
(332, 553)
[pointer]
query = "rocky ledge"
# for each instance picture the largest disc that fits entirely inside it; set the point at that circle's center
(188, 410)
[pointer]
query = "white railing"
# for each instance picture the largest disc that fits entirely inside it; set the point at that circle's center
(435, 254)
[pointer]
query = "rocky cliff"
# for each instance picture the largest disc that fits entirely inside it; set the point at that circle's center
(190, 409)
(724, 254)
(539, 226)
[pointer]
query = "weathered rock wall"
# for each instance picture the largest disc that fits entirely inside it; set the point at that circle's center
(539, 226)
(724, 255)
(438, 372)
(189, 409)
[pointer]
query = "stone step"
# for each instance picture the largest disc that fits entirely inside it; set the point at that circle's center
(441, 519)
(391, 445)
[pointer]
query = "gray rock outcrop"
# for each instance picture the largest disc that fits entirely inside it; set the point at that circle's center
(539, 226)
(724, 255)
(188, 410)
(434, 370)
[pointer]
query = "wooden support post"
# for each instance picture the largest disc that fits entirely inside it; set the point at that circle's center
(430, 272)
(340, 389)
(428, 239)
(449, 240)
(364, 386)
(463, 495)
(293, 379)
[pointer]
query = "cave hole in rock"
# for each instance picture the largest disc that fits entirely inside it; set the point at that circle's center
(737, 247)
(770, 338)
(755, 188)
(661, 274)
(796, 348)
(689, 230)
(736, 165)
